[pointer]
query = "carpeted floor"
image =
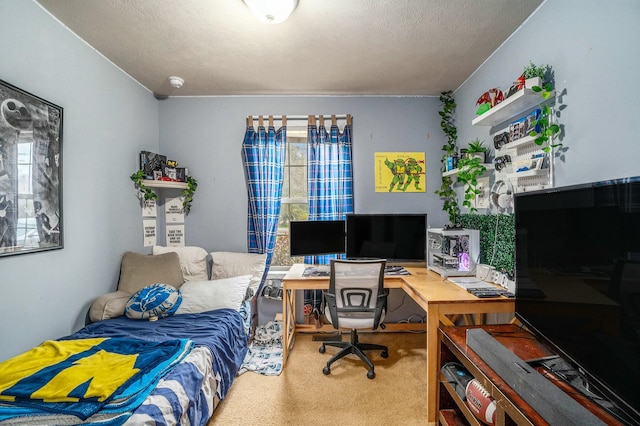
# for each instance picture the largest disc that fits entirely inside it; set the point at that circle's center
(303, 395)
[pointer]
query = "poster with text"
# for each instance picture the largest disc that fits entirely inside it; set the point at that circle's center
(173, 210)
(175, 235)
(150, 233)
(400, 171)
(149, 208)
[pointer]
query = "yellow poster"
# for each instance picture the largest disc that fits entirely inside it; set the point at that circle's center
(400, 171)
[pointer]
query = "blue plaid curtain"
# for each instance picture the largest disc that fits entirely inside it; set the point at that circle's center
(263, 154)
(330, 184)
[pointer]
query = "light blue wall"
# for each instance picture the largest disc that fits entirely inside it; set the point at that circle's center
(108, 119)
(205, 135)
(593, 47)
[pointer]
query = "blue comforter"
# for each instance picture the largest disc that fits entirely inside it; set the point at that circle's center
(221, 331)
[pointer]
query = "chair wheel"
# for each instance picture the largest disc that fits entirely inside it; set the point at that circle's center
(326, 370)
(384, 354)
(321, 349)
(371, 374)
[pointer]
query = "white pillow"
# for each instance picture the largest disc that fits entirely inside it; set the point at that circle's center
(229, 264)
(203, 296)
(193, 261)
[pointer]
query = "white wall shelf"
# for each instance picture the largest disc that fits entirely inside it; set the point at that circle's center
(164, 184)
(515, 104)
(528, 173)
(527, 140)
(522, 150)
(454, 172)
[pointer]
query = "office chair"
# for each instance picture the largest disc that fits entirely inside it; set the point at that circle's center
(356, 299)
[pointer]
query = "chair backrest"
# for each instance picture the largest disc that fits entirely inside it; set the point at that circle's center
(358, 286)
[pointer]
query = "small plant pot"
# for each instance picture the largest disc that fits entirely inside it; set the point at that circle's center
(534, 81)
(480, 155)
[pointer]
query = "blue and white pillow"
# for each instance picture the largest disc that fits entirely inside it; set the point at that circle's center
(153, 301)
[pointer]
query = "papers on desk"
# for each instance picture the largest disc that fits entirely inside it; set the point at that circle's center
(471, 282)
(325, 271)
(316, 271)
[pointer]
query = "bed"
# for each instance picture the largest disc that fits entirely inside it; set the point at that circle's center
(193, 353)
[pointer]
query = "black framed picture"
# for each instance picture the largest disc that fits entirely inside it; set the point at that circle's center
(30, 173)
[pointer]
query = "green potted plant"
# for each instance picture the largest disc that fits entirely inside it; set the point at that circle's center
(446, 191)
(470, 168)
(477, 149)
(534, 75)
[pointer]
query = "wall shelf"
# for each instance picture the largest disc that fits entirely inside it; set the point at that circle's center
(515, 104)
(528, 173)
(164, 184)
(527, 140)
(454, 172)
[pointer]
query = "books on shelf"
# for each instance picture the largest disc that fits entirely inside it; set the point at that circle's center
(156, 166)
(151, 162)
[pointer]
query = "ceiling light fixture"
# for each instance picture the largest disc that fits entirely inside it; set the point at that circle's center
(176, 82)
(272, 11)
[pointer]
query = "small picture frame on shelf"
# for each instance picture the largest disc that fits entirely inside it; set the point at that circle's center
(537, 162)
(157, 174)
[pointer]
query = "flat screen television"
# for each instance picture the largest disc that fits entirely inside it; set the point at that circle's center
(578, 283)
(316, 237)
(398, 238)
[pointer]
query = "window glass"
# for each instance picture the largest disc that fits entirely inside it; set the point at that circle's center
(294, 191)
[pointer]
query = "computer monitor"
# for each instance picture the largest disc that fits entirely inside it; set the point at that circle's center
(316, 237)
(398, 238)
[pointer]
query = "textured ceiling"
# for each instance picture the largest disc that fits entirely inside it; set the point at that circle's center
(326, 47)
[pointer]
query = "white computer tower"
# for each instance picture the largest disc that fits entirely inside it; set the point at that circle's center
(453, 252)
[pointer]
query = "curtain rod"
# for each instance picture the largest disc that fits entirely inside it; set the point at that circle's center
(310, 118)
(303, 117)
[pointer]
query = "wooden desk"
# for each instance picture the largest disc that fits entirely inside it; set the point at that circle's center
(440, 299)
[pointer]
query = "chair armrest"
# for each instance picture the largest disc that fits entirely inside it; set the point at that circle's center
(110, 305)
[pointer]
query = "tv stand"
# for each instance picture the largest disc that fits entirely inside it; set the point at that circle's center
(512, 405)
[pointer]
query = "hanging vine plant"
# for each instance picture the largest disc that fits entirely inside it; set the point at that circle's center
(138, 182)
(446, 191)
(147, 193)
(187, 194)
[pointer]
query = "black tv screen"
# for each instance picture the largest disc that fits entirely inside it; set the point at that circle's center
(398, 238)
(578, 281)
(316, 237)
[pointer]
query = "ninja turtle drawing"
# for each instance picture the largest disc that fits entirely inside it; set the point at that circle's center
(398, 170)
(413, 172)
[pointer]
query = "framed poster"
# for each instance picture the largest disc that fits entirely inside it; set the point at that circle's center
(400, 171)
(30, 173)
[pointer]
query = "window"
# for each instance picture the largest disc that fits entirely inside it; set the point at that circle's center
(294, 204)
(329, 156)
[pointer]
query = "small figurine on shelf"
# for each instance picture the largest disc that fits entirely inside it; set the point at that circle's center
(488, 100)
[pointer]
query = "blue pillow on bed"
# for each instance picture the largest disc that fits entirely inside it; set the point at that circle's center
(153, 301)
